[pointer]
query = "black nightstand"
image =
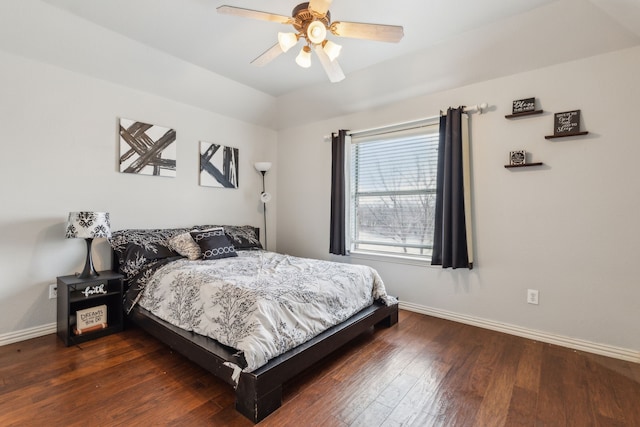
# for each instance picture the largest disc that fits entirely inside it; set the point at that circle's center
(79, 294)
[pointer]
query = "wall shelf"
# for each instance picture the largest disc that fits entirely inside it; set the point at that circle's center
(566, 135)
(524, 165)
(526, 113)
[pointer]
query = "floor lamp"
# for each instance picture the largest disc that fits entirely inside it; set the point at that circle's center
(263, 167)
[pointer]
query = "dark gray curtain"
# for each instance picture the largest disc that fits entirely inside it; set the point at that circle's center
(450, 245)
(338, 236)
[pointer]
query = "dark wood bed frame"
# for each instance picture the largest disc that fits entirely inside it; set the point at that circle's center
(259, 393)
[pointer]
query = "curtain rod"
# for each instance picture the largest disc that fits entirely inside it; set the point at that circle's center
(478, 108)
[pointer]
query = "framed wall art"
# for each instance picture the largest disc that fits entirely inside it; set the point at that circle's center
(218, 165)
(147, 149)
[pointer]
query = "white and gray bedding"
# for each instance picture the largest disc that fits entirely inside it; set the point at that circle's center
(259, 303)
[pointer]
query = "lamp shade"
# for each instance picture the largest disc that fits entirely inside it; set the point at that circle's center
(287, 41)
(265, 197)
(331, 49)
(262, 166)
(88, 225)
(304, 57)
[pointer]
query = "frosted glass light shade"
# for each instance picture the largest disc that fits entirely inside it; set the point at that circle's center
(316, 32)
(262, 166)
(265, 197)
(287, 41)
(331, 49)
(304, 57)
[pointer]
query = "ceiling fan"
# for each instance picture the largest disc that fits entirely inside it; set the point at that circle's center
(312, 22)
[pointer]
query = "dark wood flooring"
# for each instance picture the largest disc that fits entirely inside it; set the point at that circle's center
(422, 372)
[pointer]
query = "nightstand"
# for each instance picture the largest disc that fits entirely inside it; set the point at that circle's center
(91, 297)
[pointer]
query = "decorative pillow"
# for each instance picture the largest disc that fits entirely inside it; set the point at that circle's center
(243, 236)
(135, 248)
(214, 244)
(186, 246)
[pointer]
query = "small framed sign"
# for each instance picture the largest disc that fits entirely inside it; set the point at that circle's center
(566, 123)
(523, 105)
(517, 157)
(91, 319)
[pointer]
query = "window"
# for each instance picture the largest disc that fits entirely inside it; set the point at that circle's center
(393, 190)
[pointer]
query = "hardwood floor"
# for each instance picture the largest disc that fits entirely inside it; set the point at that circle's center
(422, 372)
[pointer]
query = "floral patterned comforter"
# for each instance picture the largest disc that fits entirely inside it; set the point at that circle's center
(260, 303)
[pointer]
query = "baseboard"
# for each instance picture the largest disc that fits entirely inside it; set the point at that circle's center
(26, 334)
(573, 343)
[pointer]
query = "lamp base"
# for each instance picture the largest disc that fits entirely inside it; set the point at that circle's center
(88, 272)
(90, 275)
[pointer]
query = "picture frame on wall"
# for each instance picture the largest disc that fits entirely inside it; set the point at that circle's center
(219, 165)
(147, 149)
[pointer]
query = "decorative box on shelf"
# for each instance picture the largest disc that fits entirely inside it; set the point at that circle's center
(518, 159)
(89, 308)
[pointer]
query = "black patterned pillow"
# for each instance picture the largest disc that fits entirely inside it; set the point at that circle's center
(241, 236)
(135, 248)
(214, 244)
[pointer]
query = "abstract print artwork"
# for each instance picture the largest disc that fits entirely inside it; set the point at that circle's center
(218, 165)
(147, 149)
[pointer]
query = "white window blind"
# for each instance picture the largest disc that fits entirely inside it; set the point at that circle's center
(393, 183)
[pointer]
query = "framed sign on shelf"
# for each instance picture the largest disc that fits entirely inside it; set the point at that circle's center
(566, 123)
(526, 105)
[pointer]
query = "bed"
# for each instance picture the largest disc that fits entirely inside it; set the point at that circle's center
(252, 318)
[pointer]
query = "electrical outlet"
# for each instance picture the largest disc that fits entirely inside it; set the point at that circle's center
(53, 291)
(532, 296)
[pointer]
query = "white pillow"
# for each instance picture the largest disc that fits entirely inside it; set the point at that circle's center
(185, 246)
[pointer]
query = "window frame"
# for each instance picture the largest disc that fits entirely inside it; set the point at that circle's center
(394, 131)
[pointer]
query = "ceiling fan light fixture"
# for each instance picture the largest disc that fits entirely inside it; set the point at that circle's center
(287, 41)
(331, 49)
(304, 57)
(316, 32)
(312, 21)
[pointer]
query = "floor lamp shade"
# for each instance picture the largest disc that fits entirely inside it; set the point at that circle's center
(88, 226)
(262, 166)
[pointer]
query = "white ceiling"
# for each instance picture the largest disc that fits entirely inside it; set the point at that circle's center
(193, 31)
(446, 44)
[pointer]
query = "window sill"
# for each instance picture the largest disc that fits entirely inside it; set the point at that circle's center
(393, 259)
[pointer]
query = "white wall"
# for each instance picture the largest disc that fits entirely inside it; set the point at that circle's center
(60, 154)
(569, 229)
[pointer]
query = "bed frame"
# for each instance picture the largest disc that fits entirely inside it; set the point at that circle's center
(259, 393)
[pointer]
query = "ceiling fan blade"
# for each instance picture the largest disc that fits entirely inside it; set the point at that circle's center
(269, 55)
(379, 32)
(320, 6)
(254, 14)
(332, 68)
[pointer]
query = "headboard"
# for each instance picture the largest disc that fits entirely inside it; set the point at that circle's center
(154, 243)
